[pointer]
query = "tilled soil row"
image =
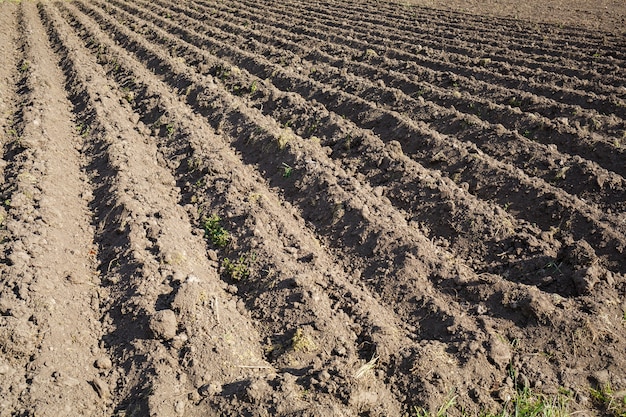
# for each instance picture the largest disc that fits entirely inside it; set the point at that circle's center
(221, 189)
(470, 225)
(399, 28)
(252, 240)
(505, 145)
(427, 325)
(439, 60)
(539, 37)
(394, 74)
(50, 329)
(510, 95)
(455, 157)
(9, 85)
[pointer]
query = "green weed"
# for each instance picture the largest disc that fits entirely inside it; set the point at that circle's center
(236, 270)
(515, 102)
(215, 232)
(300, 342)
(441, 412)
(287, 170)
(83, 129)
(24, 66)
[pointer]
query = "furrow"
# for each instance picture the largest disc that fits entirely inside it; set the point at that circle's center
(428, 22)
(439, 61)
(157, 270)
(472, 228)
(404, 269)
(50, 315)
(566, 132)
(306, 30)
(239, 208)
(451, 158)
(8, 87)
(308, 158)
(256, 136)
(15, 330)
(319, 287)
(554, 41)
(445, 38)
(506, 146)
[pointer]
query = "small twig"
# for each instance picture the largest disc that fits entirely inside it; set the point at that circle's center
(216, 309)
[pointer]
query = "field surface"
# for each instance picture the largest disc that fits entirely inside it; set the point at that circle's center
(309, 208)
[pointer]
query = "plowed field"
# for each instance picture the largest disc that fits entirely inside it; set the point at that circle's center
(313, 208)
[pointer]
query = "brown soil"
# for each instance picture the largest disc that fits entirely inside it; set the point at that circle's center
(308, 208)
(603, 15)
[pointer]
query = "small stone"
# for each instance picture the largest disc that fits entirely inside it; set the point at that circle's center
(211, 389)
(163, 324)
(69, 381)
(212, 255)
(178, 277)
(179, 407)
(4, 369)
(194, 396)
(179, 340)
(101, 388)
(103, 363)
(602, 377)
(481, 309)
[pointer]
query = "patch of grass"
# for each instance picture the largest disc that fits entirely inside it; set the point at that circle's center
(613, 404)
(525, 403)
(236, 270)
(215, 232)
(441, 412)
